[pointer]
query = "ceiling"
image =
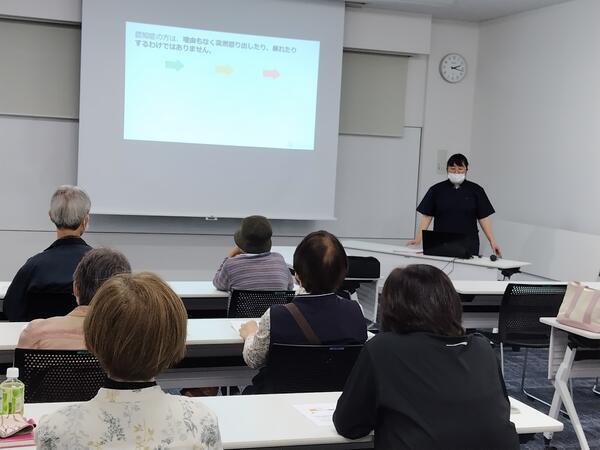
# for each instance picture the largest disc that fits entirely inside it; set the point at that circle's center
(469, 10)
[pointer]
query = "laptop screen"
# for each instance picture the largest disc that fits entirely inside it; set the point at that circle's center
(453, 245)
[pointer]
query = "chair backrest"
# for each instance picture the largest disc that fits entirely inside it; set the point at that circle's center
(245, 303)
(521, 309)
(41, 305)
(309, 368)
(59, 375)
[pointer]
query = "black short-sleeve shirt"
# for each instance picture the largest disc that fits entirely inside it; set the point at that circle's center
(456, 210)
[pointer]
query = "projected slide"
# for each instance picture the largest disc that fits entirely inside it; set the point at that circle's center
(207, 87)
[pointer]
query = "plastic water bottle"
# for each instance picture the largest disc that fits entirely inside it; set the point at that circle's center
(12, 392)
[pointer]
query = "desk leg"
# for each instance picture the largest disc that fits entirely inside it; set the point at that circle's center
(563, 394)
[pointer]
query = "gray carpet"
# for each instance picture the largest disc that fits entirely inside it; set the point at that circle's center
(586, 402)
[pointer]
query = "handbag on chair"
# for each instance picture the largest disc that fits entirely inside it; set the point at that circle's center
(580, 308)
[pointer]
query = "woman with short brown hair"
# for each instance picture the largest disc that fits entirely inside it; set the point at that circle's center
(136, 327)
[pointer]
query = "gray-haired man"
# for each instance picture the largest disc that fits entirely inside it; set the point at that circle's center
(43, 286)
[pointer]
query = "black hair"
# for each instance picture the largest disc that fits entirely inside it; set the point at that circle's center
(458, 159)
(421, 298)
(320, 262)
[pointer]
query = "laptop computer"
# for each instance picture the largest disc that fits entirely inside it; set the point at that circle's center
(439, 243)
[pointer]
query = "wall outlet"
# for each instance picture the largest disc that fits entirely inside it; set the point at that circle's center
(442, 159)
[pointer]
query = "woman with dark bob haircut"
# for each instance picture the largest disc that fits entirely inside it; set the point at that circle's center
(422, 383)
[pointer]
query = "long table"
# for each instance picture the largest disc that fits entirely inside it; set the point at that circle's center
(201, 299)
(481, 299)
(214, 345)
(392, 256)
(213, 354)
(273, 421)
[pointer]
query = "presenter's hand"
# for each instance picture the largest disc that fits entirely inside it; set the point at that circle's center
(496, 249)
(248, 328)
(234, 251)
(414, 242)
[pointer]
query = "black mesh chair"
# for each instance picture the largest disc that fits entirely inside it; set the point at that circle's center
(308, 368)
(41, 305)
(519, 320)
(245, 304)
(59, 375)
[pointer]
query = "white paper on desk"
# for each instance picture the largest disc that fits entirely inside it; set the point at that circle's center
(321, 414)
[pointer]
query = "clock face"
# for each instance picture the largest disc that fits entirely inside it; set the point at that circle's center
(453, 67)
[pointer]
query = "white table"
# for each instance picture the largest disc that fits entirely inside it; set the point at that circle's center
(197, 295)
(267, 421)
(392, 256)
(213, 340)
(482, 312)
(185, 289)
(562, 367)
(498, 287)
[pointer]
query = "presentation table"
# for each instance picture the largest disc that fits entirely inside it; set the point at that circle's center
(392, 256)
(562, 366)
(284, 420)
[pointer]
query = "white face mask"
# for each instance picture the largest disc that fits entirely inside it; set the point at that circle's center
(456, 178)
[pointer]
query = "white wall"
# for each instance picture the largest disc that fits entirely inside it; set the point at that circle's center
(448, 107)
(536, 134)
(186, 250)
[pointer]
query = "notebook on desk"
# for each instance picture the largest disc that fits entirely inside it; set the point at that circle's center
(439, 243)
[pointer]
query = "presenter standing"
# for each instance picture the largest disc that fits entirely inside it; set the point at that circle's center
(457, 205)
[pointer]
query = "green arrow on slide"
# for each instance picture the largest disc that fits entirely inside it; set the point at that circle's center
(177, 65)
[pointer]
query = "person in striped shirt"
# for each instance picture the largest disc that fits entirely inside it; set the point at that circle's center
(250, 264)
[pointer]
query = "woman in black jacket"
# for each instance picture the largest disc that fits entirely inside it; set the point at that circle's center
(422, 383)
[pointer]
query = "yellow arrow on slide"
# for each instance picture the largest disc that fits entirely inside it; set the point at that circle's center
(224, 69)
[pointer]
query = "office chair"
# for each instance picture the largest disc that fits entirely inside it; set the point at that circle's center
(58, 375)
(519, 320)
(308, 368)
(246, 303)
(41, 305)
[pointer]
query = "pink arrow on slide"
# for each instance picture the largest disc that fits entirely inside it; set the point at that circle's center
(271, 74)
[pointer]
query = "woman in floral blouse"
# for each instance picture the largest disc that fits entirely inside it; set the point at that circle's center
(136, 327)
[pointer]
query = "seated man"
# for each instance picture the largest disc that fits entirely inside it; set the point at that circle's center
(48, 275)
(321, 265)
(250, 264)
(66, 332)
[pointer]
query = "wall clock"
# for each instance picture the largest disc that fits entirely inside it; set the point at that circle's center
(453, 67)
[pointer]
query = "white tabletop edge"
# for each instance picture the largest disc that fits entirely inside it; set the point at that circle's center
(553, 322)
(229, 409)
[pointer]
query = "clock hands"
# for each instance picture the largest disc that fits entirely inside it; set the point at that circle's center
(457, 68)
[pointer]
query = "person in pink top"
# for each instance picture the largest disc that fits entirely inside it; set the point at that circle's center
(66, 332)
